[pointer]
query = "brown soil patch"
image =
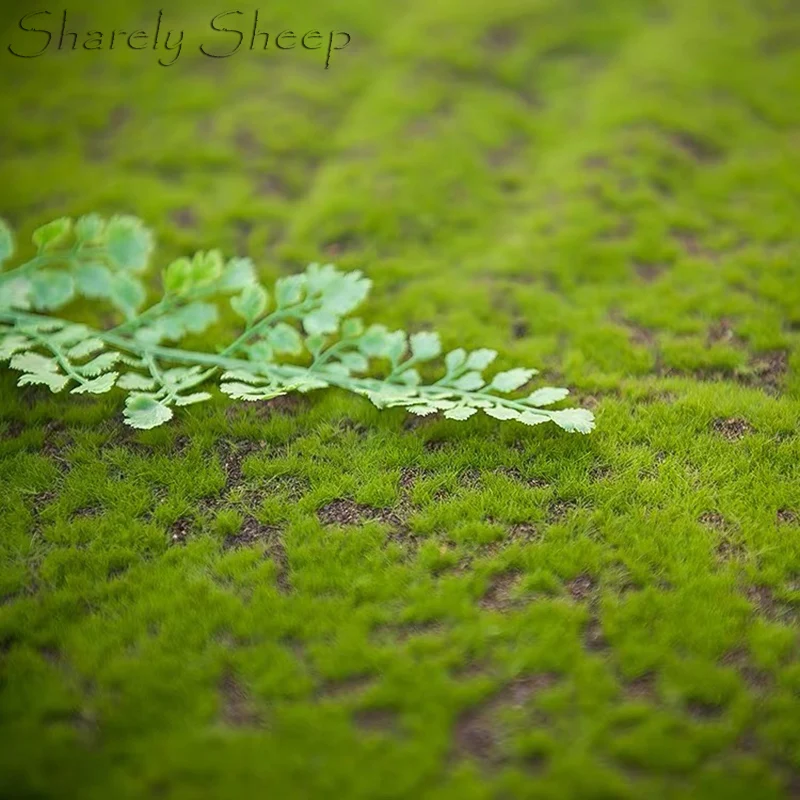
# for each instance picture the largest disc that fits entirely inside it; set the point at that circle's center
(769, 370)
(732, 429)
(381, 720)
(691, 244)
(763, 598)
(86, 725)
(642, 688)
(470, 478)
(56, 445)
(231, 456)
(515, 474)
(519, 691)
(184, 217)
(787, 516)
(433, 445)
(347, 512)
(500, 38)
(594, 639)
(520, 329)
(474, 737)
(237, 709)
(42, 500)
(87, 512)
(600, 473)
(699, 149)
(346, 242)
(582, 587)
(638, 334)
(269, 185)
(356, 684)
(11, 429)
(246, 143)
(713, 519)
(649, 271)
(179, 530)
(739, 659)
(596, 161)
(243, 228)
(721, 332)
(524, 532)
(702, 710)
(560, 509)
(403, 631)
(498, 596)
(621, 230)
(471, 670)
(477, 735)
(252, 532)
(728, 550)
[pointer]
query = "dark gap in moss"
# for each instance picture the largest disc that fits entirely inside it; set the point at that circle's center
(767, 370)
(594, 639)
(345, 687)
(582, 587)
(180, 529)
(500, 38)
(347, 512)
(641, 689)
(722, 332)
(477, 735)
(401, 632)
(231, 455)
(559, 510)
(732, 429)
(524, 532)
(237, 710)
(184, 217)
(757, 679)
(497, 596)
(376, 720)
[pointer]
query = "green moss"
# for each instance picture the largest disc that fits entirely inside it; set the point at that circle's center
(321, 600)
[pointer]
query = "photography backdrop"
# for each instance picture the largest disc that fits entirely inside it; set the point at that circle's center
(312, 598)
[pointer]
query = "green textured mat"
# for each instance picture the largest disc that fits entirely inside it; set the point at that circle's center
(314, 599)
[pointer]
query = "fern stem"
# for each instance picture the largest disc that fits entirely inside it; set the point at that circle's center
(326, 355)
(347, 382)
(36, 262)
(134, 323)
(224, 361)
(155, 372)
(265, 322)
(62, 360)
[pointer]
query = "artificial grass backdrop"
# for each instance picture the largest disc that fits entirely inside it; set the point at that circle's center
(314, 599)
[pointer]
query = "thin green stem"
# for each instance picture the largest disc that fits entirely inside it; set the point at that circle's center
(279, 314)
(167, 303)
(62, 360)
(282, 372)
(326, 355)
(134, 323)
(71, 256)
(402, 367)
(38, 261)
(155, 372)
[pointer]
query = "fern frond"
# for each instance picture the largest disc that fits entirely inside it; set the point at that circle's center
(305, 318)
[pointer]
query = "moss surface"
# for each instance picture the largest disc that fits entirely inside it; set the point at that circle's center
(315, 599)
